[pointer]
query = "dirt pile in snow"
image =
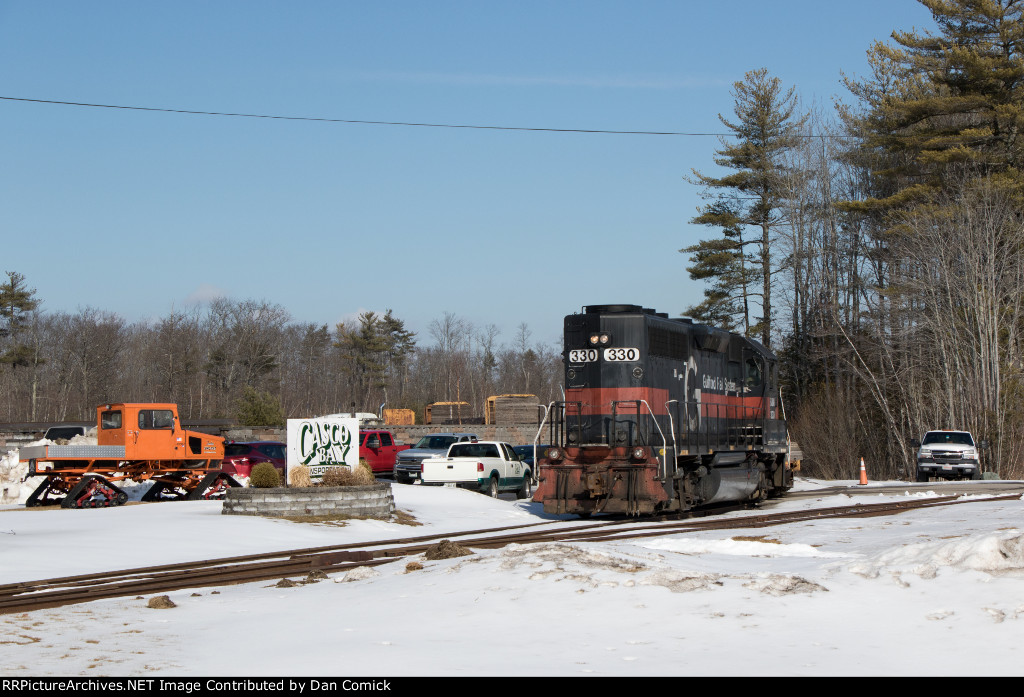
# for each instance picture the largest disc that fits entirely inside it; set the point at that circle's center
(446, 549)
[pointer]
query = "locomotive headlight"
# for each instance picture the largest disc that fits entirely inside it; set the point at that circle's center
(638, 454)
(605, 338)
(594, 339)
(555, 454)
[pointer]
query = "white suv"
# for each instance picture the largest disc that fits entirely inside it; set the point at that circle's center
(947, 454)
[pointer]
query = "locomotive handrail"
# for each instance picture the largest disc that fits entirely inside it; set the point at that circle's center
(664, 443)
(579, 421)
(672, 430)
(722, 425)
(547, 411)
(555, 406)
(536, 464)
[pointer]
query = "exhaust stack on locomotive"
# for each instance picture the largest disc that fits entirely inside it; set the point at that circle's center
(661, 415)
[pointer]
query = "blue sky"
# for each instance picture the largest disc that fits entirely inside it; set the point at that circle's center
(137, 212)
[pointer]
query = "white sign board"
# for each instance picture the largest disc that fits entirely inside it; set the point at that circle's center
(323, 442)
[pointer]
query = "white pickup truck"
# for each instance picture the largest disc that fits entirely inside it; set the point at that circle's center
(490, 467)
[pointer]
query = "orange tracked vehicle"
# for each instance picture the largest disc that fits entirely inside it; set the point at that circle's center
(138, 442)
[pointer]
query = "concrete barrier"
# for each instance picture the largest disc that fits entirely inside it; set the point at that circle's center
(368, 501)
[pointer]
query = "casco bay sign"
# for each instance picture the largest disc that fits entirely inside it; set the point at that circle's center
(323, 442)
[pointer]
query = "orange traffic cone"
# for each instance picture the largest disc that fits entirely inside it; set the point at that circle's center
(863, 473)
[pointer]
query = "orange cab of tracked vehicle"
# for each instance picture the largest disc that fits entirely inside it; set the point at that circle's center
(152, 431)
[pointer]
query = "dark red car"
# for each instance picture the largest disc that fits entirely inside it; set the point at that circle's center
(239, 458)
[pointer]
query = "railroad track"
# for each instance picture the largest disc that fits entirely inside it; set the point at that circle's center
(56, 592)
(960, 488)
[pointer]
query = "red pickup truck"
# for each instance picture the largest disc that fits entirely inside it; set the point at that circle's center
(379, 449)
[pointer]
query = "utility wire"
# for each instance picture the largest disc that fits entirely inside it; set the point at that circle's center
(375, 123)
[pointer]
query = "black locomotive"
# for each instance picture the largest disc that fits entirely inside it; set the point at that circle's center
(661, 415)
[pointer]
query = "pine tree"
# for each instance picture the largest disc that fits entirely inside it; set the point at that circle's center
(732, 273)
(951, 98)
(766, 127)
(256, 408)
(17, 302)
(379, 345)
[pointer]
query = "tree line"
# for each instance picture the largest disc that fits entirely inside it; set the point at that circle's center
(878, 248)
(248, 361)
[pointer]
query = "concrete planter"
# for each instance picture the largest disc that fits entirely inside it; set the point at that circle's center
(370, 501)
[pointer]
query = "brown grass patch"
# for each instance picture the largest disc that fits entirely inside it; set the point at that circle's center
(334, 519)
(340, 519)
(756, 538)
(403, 518)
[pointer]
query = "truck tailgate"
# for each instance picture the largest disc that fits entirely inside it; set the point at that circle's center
(450, 469)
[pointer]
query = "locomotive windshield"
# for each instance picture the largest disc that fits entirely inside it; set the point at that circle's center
(754, 376)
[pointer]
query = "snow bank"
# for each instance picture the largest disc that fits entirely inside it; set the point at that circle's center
(13, 490)
(13, 471)
(993, 554)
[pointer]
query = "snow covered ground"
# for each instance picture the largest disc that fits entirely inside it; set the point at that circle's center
(933, 592)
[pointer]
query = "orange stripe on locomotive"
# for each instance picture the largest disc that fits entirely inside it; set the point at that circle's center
(598, 400)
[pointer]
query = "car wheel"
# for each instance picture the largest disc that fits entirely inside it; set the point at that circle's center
(492, 489)
(526, 490)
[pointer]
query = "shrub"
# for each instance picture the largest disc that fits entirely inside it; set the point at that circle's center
(336, 476)
(343, 476)
(264, 476)
(364, 473)
(299, 476)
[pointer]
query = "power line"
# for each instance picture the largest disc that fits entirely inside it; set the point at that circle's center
(357, 121)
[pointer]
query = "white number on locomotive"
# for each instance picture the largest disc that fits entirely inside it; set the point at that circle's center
(621, 354)
(583, 356)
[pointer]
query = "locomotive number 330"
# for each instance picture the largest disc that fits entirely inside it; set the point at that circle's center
(610, 354)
